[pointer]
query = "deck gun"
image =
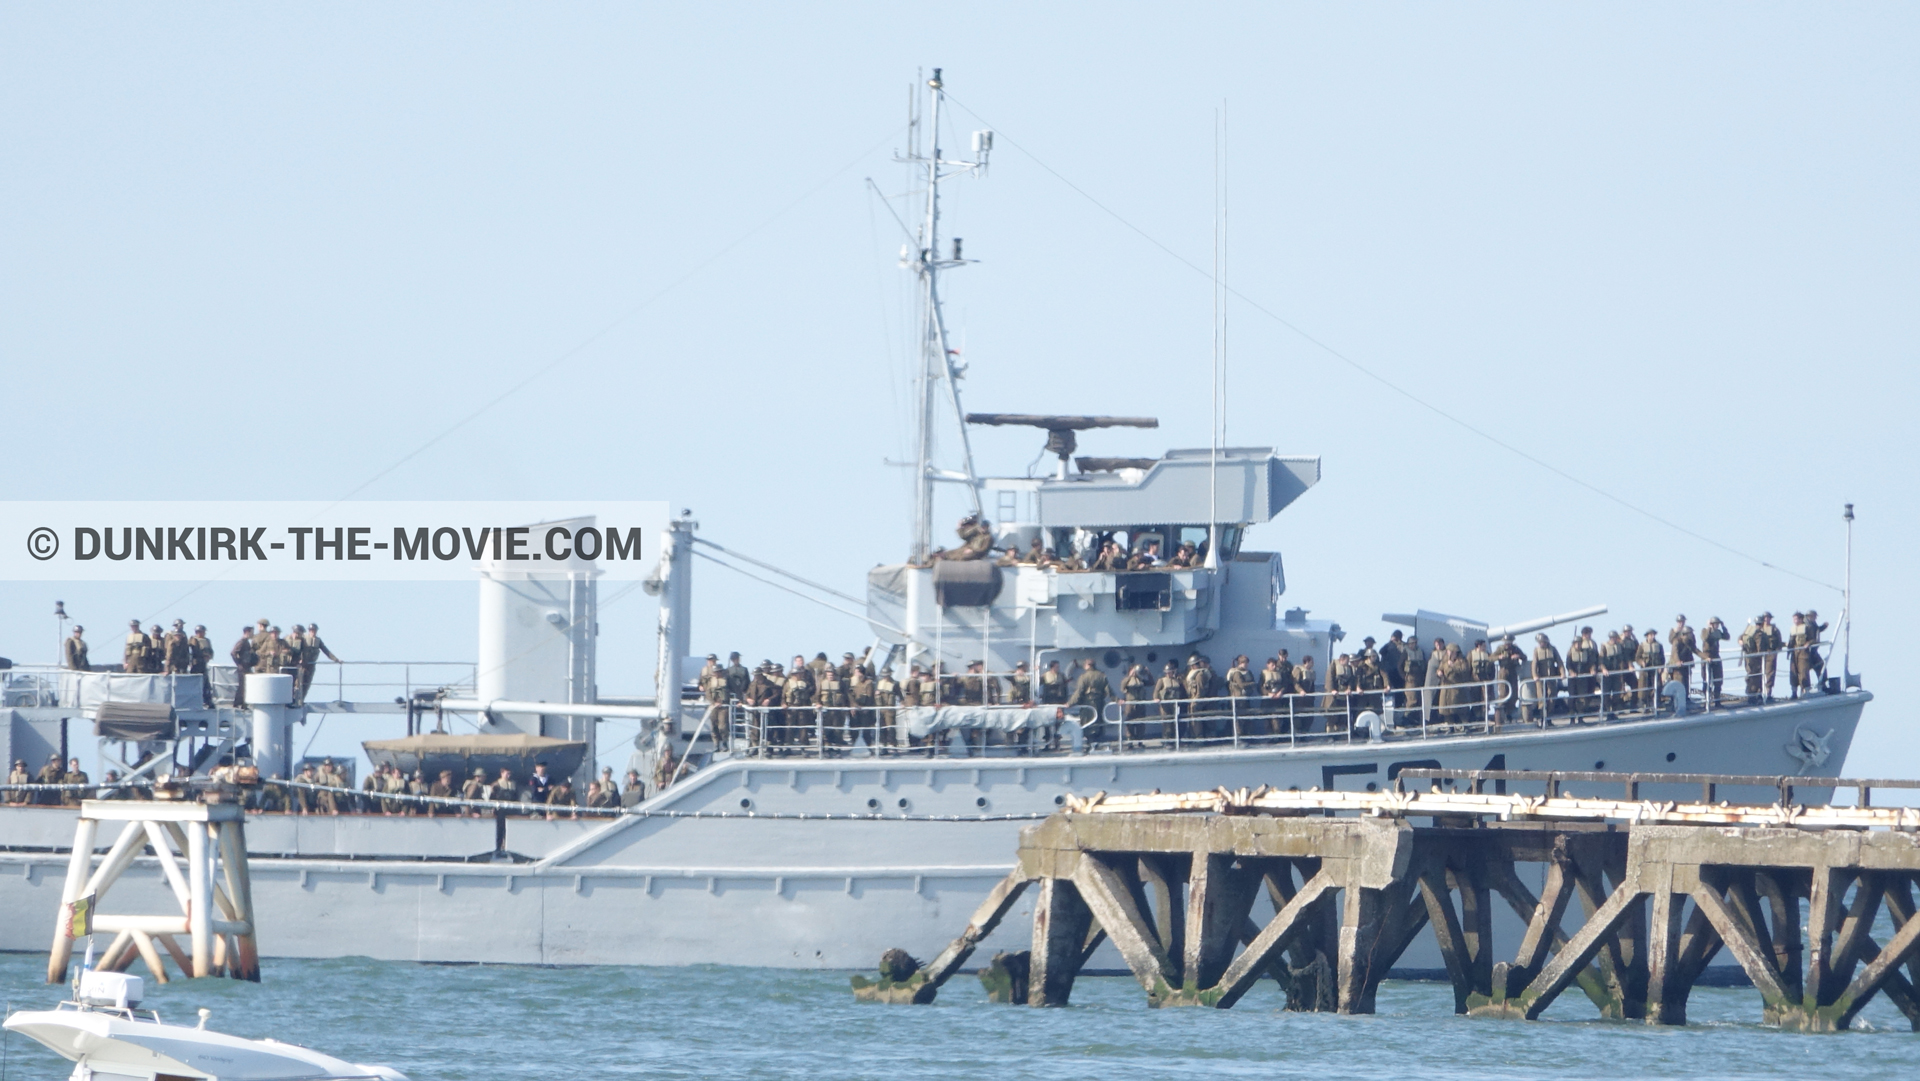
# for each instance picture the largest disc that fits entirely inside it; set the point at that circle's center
(1430, 625)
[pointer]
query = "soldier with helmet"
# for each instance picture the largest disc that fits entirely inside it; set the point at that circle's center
(134, 657)
(1546, 677)
(1681, 647)
(1712, 675)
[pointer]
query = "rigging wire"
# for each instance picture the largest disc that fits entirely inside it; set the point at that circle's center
(1324, 347)
(789, 589)
(579, 347)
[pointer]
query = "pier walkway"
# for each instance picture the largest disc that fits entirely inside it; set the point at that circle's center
(1661, 887)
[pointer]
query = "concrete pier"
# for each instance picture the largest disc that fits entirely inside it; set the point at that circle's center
(1662, 888)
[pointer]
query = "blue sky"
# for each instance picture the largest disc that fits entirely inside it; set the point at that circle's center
(294, 251)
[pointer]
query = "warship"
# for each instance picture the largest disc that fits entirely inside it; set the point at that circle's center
(821, 836)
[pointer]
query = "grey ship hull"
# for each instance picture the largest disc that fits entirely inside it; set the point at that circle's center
(804, 863)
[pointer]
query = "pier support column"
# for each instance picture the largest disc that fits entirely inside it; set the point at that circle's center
(1061, 925)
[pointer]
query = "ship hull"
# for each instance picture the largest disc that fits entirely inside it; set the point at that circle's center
(792, 862)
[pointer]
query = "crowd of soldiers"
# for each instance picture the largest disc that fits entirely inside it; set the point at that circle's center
(53, 773)
(324, 788)
(178, 652)
(1104, 553)
(817, 701)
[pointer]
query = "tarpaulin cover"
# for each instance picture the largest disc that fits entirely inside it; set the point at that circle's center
(87, 691)
(925, 720)
(135, 720)
(517, 751)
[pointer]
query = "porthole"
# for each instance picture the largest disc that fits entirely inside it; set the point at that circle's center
(873, 805)
(1059, 801)
(980, 801)
(903, 803)
(746, 805)
(1599, 765)
(1152, 656)
(1670, 756)
(1111, 659)
(1372, 787)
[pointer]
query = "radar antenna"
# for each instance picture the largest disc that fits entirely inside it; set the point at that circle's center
(1060, 439)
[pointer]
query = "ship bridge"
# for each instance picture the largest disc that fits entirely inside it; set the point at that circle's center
(963, 611)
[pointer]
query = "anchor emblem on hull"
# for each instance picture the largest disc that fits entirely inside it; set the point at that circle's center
(1811, 748)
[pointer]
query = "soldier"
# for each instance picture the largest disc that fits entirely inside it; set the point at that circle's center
(1797, 671)
(1093, 691)
(796, 698)
(17, 796)
(1629, 684)
(244, 658)
(261, 634)
(1546, 683)
(1455, 673)
(713, 688)
(1711, 673)
(1366, 651)
(1306, 682)
(1612, 660)
(300, 800)
(474, 788)
(1651, 660)
(1169, 690)
(1583, 660)
(831, 701)
(1480, 670)
(441, 789)
(156, 651)
(1508, 663)
(294, 643)
(976, 540)
(1243, 690)
(1371, 683)
(133, 658)
(1815, 663)
(74, 775)
(1393, 661)
(1750, 658)
(1681, 647)
(173, 651)
(1036, 554)
(504, 790)
(763, 702)
(327, 802)
(1020, 685)
(1339, 682)
(51, 773)
(308, 658)
(281, 652)
(74, 650)
(738, 678)
(886, 702)
(1770, 644)
(1276, 679)
(1053, 685)
(1135, 688)
(1413, 670)
(860, 695)
(199, 655)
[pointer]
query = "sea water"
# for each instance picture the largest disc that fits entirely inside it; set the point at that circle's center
(493, 1022)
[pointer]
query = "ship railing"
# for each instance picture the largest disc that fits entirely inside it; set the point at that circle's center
(856, 731)
(1341, 715)
(344, 681)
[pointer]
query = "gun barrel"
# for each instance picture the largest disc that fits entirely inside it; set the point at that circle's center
(1528, 626)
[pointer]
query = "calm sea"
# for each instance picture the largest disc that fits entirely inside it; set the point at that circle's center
(454, 1022)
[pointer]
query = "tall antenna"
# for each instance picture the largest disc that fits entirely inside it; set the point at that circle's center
(1846, 610)
(1219, 329)
(935, 370)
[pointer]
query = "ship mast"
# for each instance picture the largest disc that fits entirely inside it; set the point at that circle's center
(936, 376)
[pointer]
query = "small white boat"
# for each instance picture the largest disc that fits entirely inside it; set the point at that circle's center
(108, 1039)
